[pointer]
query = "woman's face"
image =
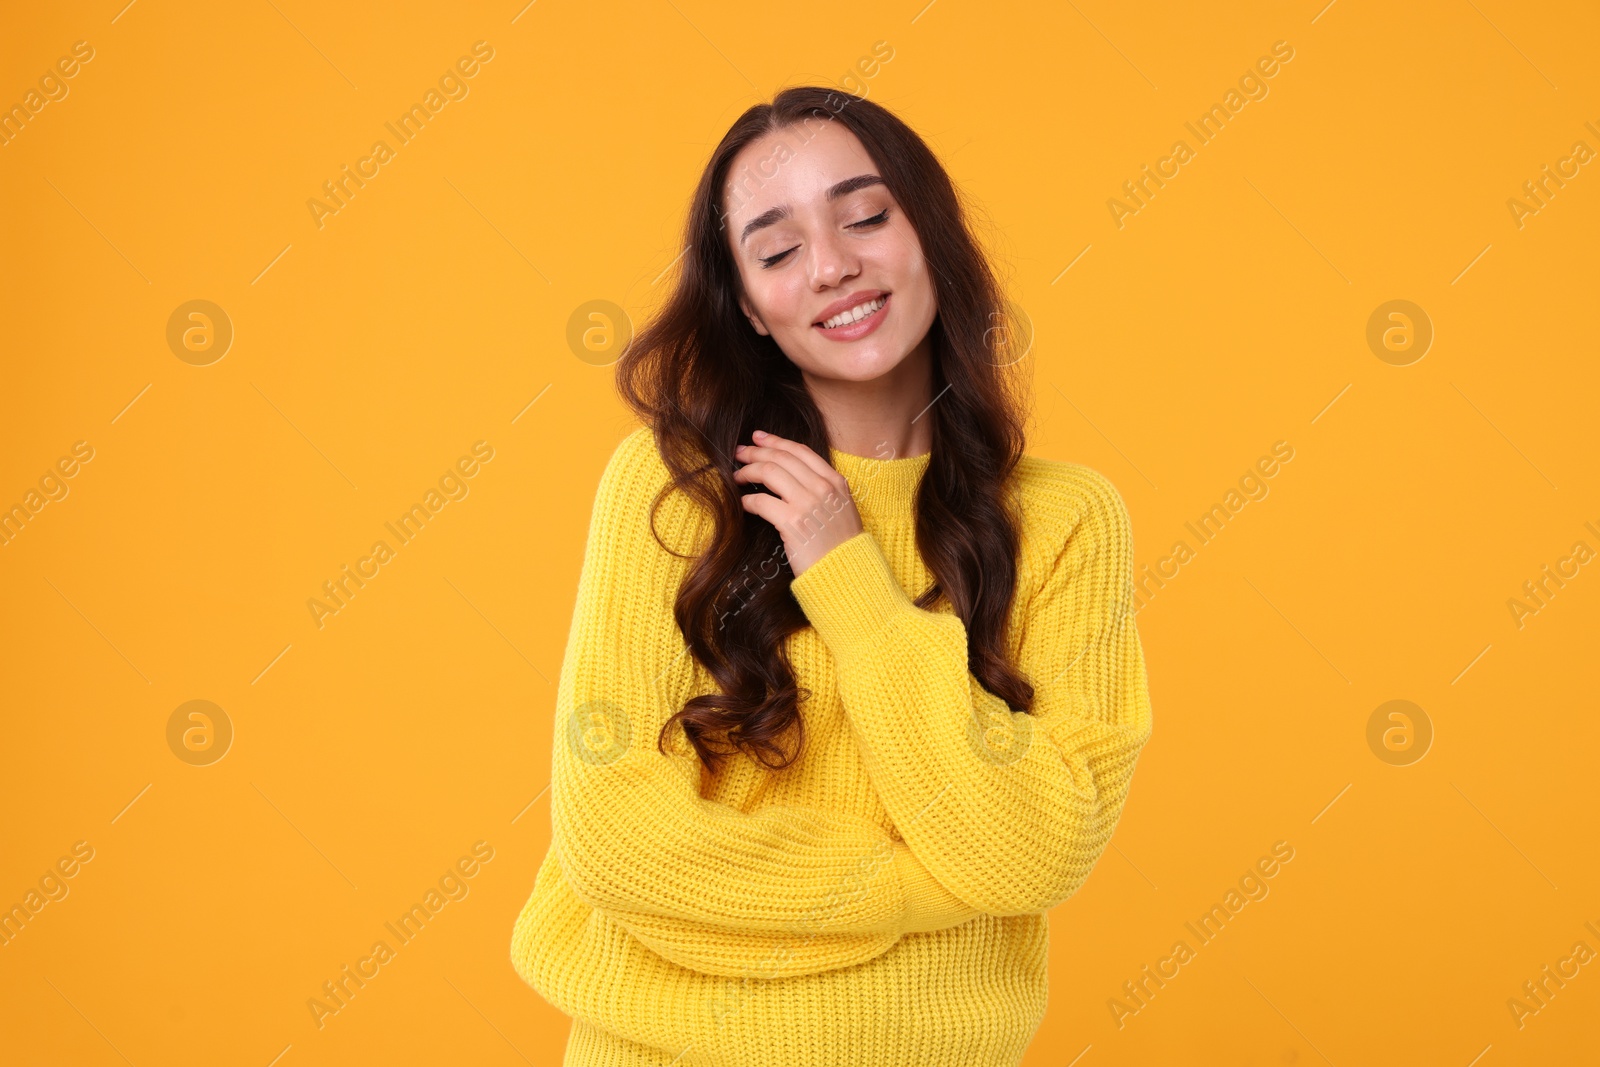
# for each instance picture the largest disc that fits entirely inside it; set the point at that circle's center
(814, 231)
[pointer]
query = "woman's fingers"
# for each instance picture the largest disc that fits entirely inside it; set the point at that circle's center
(778, 475)
(823, 484)
(764, 505)
(808, 501)
(804, 453)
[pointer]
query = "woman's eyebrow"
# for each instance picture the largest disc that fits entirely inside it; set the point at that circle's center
(782, 211)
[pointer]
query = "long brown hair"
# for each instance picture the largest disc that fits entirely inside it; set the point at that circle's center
(703, 379)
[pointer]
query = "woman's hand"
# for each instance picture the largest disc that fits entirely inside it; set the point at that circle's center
(812, 509)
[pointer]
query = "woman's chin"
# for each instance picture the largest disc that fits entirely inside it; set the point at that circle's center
(863, 366)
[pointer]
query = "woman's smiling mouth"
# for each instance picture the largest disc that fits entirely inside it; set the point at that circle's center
(856, 322)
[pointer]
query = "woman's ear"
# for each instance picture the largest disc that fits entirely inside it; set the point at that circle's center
(755, 320)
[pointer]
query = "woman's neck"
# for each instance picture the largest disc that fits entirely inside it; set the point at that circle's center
(882, 418)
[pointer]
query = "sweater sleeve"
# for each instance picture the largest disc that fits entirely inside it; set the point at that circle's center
(1010, 810)
(781, 890)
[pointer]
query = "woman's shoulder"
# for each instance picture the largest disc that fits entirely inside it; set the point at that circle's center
(635, 456)
(1062, 493)
(634, 476)
(634, 467)
(1061, 502)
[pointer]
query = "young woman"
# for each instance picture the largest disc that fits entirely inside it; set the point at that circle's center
(853, 694)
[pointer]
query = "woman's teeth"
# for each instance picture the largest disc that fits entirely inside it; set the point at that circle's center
(855, 314)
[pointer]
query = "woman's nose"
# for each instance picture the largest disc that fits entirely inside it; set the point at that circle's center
(831, 261)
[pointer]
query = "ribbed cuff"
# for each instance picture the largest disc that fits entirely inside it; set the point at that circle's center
(929, 905)
(850, 594)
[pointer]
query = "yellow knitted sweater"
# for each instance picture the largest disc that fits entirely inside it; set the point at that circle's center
(881, 901)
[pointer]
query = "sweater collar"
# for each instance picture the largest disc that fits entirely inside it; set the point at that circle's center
(884, 489)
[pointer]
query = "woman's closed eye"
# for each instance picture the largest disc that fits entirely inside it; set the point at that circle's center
(876, 220)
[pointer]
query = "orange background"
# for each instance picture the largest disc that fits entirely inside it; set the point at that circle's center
(1229, 313)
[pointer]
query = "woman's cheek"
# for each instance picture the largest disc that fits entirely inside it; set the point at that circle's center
(791, 302)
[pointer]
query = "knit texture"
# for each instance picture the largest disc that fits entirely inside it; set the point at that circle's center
(883, 900)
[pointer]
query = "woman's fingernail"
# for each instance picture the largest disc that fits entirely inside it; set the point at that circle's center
(760, 433)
